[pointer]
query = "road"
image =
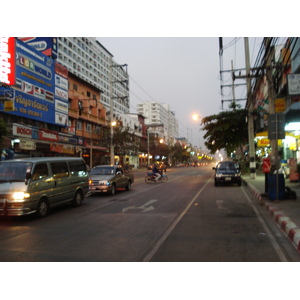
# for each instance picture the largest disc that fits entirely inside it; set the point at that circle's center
(186, 219)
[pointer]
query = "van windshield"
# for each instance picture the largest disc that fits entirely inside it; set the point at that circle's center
(13, 171)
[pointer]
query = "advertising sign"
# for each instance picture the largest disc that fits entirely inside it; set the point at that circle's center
(293, 84)
(46, 45)
(266, 165)
(7, 60)
(35, 88)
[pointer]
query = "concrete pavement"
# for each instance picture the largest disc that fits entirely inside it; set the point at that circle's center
(284, 212)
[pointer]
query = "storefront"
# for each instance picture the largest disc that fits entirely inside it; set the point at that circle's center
(28, 141)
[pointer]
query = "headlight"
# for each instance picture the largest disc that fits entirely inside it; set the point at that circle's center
(20, 196)
(219, 175)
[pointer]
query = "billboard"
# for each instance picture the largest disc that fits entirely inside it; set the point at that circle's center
(7, 60)
(46, 45)
(41, 89)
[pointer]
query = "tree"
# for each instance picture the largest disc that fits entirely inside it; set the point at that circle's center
(3, 131)
(226, 130)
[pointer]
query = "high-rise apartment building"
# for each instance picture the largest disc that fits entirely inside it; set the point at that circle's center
(156, 113)
(88, 59)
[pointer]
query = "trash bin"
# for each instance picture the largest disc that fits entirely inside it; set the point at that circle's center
(272, 187)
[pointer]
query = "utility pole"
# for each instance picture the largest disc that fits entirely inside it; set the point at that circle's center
(271, 106)
(250, 113)
(233, 87)
(112, 153)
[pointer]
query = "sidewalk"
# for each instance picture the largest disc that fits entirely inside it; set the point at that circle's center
(284, 212)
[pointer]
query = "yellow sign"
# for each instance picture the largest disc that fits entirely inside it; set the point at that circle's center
(280, 105)
(8, 106)
(266, 143)
(263, 143)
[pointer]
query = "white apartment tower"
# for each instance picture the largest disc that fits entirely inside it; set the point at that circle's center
(157, 113)
(89, 60)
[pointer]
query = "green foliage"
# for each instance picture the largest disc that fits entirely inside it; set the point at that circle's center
(3, 131)
(226, 130)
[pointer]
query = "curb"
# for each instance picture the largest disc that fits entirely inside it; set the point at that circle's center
(291, 230)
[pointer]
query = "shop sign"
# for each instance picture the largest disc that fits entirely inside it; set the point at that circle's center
(48, 135)
(27, 145)
(22, 131)
(263, 143)
(61, 148)
(7, 60)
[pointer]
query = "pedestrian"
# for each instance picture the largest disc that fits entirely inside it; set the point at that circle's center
(3, 154)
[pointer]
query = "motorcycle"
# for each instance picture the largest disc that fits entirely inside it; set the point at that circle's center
(150, 177)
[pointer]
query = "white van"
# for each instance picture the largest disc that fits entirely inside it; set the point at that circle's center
(35, 185)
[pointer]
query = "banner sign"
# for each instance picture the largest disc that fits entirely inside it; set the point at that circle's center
(7, 60)
(22, 131)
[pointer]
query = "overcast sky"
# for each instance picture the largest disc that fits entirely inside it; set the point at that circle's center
(183, 72)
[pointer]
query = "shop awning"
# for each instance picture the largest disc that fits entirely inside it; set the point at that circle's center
(292, 114)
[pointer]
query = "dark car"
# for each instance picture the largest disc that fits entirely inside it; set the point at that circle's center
(227, 172)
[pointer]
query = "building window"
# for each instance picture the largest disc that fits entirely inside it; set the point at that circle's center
(88, 127)
(74, 87)
(79, 125)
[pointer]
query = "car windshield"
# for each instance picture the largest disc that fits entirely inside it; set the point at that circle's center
(102, 171)
(13, 171)
(227, 166)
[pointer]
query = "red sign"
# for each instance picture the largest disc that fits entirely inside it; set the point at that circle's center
(266, 165)
(8, 60)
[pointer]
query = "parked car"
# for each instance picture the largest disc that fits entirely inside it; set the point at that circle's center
(227, 172)
(107, 178)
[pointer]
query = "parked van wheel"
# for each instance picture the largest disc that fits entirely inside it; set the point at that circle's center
(113, 189)
(77, 199)
(128, 187)
(43, 208)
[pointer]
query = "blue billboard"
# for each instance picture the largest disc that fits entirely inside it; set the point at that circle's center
(41, 92)
(46, 45)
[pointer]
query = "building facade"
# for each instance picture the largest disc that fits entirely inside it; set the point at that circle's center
(156, 113)
(88, 59)
(276, 101)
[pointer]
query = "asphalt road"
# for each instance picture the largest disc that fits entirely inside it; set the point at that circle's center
(186, 219)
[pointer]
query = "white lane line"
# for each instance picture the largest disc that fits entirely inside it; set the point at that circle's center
(170, 229)
(276, 246)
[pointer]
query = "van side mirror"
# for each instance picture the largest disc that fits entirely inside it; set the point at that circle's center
(28, 175)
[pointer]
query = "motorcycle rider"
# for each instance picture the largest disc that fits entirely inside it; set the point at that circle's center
(156, 172)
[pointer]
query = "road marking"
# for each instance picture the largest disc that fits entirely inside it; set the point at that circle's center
(173, 225)
(146, 207)
(276, 246)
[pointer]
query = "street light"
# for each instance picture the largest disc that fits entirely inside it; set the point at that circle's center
(196, 117)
